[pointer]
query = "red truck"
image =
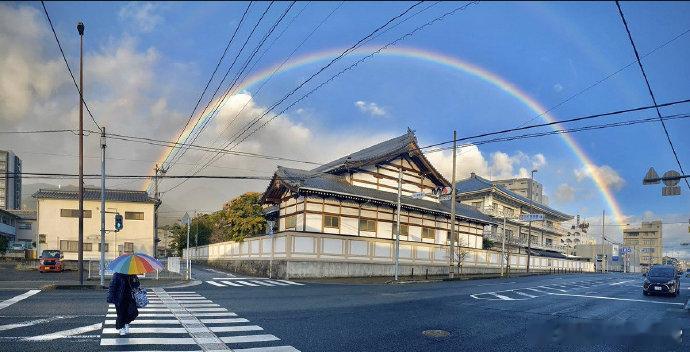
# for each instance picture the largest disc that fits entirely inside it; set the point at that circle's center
(50, 260)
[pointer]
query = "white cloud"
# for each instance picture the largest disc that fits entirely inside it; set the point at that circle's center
(470, 159)
(538, 161)
(371, 108)
(564, 193)
(558, 87)
(142, 15)
(604, 172)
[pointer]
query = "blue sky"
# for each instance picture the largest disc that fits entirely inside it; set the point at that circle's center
(148, 62)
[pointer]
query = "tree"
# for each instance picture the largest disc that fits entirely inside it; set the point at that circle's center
(199, 233)
(4, 245)
(245, 217)
(487, 243)
(461, 253)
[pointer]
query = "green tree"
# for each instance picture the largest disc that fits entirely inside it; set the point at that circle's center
(199, 233)
(4, 245)
(245, 217)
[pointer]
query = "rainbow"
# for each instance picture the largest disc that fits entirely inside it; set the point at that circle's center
(437, 59)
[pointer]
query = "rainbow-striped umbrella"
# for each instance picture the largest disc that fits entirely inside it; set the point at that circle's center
(137, 263)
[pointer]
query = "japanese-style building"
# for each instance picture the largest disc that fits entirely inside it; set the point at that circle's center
(357, 196)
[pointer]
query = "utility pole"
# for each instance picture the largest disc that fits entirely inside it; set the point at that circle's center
(187, 220)
(529, 231)
(603, 217)
(80, 29)
(503, 245)
(156, 195)
(101, 265)
(453, 193)
(397, 224)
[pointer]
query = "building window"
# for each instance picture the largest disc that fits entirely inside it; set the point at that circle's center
(41, 238)
(549, 241)
(134, 215)
(291, 222)
(129, 247)
(74, 213)
(331, 221)
(477, 205)
(508, 211)
(106, 247)
(404, 230)
(73, 246)
(428, 233)
(24, 226)
(367, 225)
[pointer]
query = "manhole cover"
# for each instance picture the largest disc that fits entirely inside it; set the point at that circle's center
(436, 333)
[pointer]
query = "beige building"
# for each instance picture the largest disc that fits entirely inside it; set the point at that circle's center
(521, 186)
(499, 202)
(58, 222)
(647, 240)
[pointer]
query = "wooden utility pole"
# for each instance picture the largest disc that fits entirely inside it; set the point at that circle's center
(80, 29)
(451, 269)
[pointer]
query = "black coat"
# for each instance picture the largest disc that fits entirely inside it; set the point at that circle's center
(120, 294)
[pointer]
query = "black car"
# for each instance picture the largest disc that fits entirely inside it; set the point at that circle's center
(661, 279)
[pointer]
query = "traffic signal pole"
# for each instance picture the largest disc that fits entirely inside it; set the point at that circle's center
(101, 263)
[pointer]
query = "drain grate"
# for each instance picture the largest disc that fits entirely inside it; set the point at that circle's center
(436, 333)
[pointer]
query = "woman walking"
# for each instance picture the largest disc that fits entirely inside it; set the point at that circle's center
(120, 294)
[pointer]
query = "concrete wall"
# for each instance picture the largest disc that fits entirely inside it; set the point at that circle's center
(314, 255)
(56, 228)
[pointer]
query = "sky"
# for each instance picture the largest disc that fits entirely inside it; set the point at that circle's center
(487, 67)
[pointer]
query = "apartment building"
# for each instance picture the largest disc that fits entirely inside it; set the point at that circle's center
(521, 186)
(10, 181)
(647, 240)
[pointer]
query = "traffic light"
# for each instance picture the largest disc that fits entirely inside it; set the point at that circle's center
(118, 222)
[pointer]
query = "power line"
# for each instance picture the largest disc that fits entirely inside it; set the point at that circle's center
(216, 109)
(333, 61)
(213, 74)
(260, 88)
(649, 89)
(45, 10)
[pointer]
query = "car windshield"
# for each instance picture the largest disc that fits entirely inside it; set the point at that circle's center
(661, 272)
(50, 254)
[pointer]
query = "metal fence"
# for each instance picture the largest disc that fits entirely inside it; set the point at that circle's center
(173, 269)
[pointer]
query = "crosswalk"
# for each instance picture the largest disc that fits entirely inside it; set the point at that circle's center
(187, 321)
(526, 293)
(250, 282)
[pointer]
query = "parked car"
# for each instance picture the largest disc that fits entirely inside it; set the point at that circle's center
(17, 247)
(661, 279)
(51, 260)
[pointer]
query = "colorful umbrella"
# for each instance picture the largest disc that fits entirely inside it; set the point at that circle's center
(137, 263)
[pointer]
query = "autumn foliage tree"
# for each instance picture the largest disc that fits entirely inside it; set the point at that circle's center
(245, 217)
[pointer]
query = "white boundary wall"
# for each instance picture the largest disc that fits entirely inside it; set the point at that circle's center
(315, 247)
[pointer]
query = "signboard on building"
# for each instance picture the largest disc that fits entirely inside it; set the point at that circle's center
(532, 217)
(446, 197)
(625, 250)
(418, 195)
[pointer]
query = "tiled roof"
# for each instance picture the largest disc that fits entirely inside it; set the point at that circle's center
(389, 149)
(476, 183)
(112, 195)
(310, 181)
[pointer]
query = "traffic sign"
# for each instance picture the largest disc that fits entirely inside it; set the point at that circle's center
(670, 191)
(186, 219)
(532, 217)
(625, 250)
(651, 178)
(671, 178)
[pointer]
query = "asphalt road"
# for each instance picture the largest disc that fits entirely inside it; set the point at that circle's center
(583, 312)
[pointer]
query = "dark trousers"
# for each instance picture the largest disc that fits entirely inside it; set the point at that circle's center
(126, 313)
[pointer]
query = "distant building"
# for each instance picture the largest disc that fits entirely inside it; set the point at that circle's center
(605, 257)
(647, 240)
(8, 225)
(499, 202)
(521, 186)
(26, 226)
(10, 181)
(577, 234)
(58, 222)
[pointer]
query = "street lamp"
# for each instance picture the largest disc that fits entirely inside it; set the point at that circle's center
(529, 231)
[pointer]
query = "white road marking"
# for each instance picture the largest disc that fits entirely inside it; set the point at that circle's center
(64, 333)
(268, 349)
(505, 298)
(551, 288)
(230, 283)
(525, 294)
(291, 282)
(8, 302)
(238, 278)
(215, 283)
(112, 310)
(249, 338)
(262, 283)
(29, 323)
(219, 321)
(621, 282)
(247, 283)
(276, 283)
(616, 298)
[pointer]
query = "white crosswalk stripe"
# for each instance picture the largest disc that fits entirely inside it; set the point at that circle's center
(172, 323)
(250, 282)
